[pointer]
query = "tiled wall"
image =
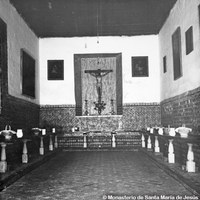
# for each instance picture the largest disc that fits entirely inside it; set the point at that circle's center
(19, 114)
(59, 116)
(141, 115)
(182, 109)
(135, 116)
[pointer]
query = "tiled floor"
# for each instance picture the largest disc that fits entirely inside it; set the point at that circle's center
(91, 175)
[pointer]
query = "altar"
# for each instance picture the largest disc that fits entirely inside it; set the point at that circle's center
(88, 140)
(98, 93)
(103, 123)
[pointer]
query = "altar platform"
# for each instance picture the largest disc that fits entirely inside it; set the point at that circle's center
(99, 123)
(100, 140)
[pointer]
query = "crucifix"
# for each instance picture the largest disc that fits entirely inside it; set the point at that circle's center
(98, 74)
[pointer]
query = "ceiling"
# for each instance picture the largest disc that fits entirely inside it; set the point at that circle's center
(69, 18)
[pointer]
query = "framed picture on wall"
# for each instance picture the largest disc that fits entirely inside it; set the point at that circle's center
(140, 66)
(27, 74)
(55, 69)
(177, 53)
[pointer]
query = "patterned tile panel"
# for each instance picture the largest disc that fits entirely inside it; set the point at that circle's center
(62, 117)
(141, 115)
(19, 114)
(182, 109)
(135, 117)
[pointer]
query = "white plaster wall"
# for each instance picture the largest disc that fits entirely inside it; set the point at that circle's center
(184, 14)
(143, 89)
(19, 35)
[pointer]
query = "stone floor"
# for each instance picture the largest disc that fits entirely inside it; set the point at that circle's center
(93, 175)
(177, 171)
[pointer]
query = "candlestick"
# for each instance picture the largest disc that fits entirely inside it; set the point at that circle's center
(86, 107)
(112, 107)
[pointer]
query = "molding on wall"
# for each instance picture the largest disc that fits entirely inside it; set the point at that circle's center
(141, 104)
(58, 106)
(124, 105)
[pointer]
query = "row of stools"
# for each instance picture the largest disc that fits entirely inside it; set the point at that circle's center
(190, 164)
(52, 144)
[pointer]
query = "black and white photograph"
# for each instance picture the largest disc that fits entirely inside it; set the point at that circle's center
(100, 99)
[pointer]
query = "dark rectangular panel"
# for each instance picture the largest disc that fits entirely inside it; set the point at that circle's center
(28, 74)
(140, 66)
(55, 69)
(3, 58)
(164, 64)
(177, 58)
(189, 40)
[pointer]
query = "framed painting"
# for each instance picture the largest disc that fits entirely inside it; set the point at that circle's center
(140, 66)
(177, 53)
(55, 70)
(189, 40)
(27, 74)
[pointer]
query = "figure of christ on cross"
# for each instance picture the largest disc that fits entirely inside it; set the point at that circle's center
(98, 74)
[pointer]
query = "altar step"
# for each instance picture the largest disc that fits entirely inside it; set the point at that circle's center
(129, 142)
